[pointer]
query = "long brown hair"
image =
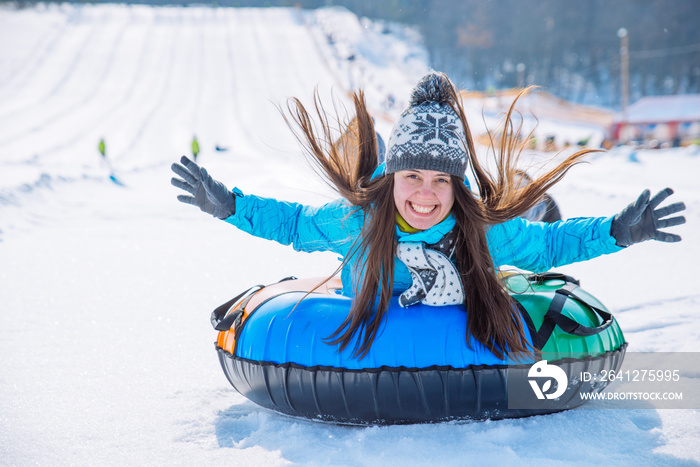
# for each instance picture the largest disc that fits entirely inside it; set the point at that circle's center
(491, 318)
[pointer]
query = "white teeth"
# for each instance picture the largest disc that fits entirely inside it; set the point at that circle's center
(422, 209)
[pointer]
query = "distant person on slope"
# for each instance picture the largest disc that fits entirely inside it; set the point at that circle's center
(195, 148)
(102, 147)
(412, 227)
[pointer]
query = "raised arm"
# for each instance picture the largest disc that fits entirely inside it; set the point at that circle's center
(332, 227)
(539, 247)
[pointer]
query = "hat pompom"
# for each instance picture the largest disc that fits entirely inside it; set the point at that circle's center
(433, 87)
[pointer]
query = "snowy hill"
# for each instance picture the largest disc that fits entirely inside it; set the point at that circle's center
(107, 353)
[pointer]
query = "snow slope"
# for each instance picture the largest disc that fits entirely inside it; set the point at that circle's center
(106, 351)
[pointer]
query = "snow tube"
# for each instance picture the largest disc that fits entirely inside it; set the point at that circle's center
(420, 368)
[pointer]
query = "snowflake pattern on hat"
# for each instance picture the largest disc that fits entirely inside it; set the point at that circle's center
(442, 129)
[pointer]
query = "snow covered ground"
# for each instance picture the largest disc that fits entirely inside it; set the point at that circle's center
(106, 351)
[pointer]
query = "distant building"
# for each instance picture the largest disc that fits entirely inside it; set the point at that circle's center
(660, 121)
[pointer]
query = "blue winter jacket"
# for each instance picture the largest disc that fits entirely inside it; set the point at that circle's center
(532, 246)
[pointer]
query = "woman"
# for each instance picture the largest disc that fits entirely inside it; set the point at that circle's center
(411, 226)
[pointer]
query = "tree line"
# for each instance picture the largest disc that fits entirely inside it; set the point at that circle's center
(571, 49)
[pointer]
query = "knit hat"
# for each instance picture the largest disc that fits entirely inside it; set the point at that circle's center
(428, 135)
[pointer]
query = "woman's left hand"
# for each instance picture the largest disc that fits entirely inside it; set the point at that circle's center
(641, 221)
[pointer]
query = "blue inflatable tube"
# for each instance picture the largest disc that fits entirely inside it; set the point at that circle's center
(272, 347)
(298, 336)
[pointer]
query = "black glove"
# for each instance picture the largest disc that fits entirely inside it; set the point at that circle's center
(639, 221)
(210, 196)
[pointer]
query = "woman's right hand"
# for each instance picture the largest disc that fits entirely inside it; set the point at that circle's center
(208, 194)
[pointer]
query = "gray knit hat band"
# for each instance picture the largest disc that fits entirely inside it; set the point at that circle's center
(432, 157)
(428, 135)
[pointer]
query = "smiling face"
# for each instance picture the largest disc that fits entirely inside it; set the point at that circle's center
(423, 197)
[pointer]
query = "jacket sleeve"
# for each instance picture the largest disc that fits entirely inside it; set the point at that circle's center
(331, 227)
(539, 246)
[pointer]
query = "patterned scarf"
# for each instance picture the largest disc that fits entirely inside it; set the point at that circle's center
(427, 255)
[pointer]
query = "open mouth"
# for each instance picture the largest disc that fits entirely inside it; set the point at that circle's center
(422, 209)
